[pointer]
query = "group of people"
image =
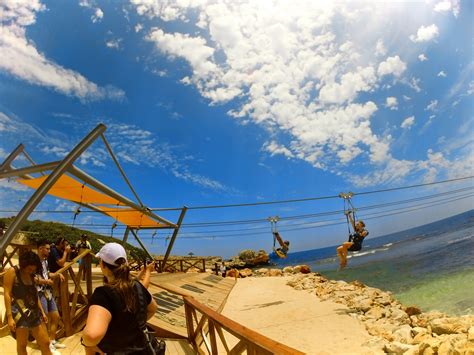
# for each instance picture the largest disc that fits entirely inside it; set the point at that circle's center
(113, 325)
(29, 296)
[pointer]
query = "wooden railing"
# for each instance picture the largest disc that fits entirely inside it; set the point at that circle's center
(7, 257)
(73, 307)
(182, 264)
(205, 332)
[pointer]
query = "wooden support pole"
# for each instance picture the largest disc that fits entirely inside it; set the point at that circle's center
(64, 301)
(87, 260)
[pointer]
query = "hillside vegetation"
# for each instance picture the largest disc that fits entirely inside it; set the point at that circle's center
(40, 230)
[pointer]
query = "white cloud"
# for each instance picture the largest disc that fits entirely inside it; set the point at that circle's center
(291, 70)
(97, 16)
(391, 103)
(138, 27)
(393, 65)
(20, 58)
(425, 34)
(408, 122)
(114, 43)
(380, 49)
(276, 149)
(447, 5)
(422, 57)
(442, 74)
(432, 106)
(414, 83)
(470, 91)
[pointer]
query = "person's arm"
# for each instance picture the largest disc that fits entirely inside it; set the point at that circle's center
(97, 324)
(43, 314)
(40, 281)
(280, 241)
(349, 213)
(151, 308)
(8, 280)
(145, 274)
(61, 261)
(54, 275)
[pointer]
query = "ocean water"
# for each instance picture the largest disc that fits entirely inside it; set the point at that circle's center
(431, 267)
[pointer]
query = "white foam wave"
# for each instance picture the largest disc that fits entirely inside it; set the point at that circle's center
(357, 254)
(459, 239)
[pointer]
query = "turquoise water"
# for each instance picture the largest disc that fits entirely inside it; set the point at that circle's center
(450, 293)
(430, 268)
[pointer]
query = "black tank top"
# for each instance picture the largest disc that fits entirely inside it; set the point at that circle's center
(27, 293)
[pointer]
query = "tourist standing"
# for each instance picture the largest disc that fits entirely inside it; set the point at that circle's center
(58, 254)
(23, 307)
(112, 324)
(82, 245)
(223, 269)
(44, 284)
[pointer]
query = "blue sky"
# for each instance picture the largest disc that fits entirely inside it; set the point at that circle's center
(220, 102)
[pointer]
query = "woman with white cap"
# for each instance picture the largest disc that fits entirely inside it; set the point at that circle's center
(112, 324)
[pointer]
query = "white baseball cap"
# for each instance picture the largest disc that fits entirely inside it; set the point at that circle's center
(111, 252)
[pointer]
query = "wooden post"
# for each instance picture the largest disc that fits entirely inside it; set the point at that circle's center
(203, 265)
(87, 260)
(189, 321)
(212, 335)
(181, 265)
(64, 301)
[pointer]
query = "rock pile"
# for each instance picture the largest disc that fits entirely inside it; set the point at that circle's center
(247, 259)
(395, 329)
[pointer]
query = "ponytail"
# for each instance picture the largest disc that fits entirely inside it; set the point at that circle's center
(123, 283)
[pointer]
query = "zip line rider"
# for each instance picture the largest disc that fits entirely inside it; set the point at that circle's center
(282, 251)
(355, 239)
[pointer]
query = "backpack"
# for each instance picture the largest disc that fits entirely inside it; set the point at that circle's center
(153, 346)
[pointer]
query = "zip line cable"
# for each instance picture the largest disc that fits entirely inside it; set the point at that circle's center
(311, 198)
(322, 226)
(304, 216)
(272, 202)
(285, 227)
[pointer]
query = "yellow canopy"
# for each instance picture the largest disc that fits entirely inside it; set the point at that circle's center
(70, 189)
(131, 217)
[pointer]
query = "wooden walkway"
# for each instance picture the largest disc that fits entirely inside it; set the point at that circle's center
(74, 347)
(169, 321)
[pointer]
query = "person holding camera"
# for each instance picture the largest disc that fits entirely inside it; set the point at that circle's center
(114, 324)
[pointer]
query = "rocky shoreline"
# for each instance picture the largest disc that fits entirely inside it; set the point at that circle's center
(395, 328)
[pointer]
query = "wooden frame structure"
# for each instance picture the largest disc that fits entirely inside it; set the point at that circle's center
(58, 171)
(205, 332)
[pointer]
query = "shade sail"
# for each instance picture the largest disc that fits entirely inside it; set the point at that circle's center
(132, 218)
(70, 189)
(73, 190)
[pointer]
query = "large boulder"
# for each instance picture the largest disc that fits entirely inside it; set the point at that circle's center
(449, 326)
(245, 272)
(275, 272)
(305, 269)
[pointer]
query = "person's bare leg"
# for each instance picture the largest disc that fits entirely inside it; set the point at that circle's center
(21, 340)
(42, 339)
(343, 250)
(340, 254)
(53, 324)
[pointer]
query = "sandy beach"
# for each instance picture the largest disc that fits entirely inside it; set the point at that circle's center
(296, 318)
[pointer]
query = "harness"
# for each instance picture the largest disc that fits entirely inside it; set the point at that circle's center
(25, 298)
